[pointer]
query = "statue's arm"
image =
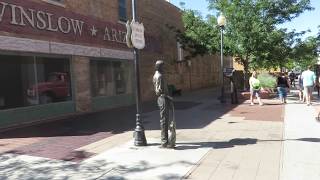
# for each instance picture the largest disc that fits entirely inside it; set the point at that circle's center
(158, 86)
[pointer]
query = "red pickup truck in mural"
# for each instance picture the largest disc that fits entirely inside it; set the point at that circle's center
(56, 88)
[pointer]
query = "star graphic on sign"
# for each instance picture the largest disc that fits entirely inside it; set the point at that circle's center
(93, 31)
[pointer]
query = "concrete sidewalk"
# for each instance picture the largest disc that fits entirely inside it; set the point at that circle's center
(214, 141)
(301, 147)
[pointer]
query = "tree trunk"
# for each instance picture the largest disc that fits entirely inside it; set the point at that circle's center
(245, 75)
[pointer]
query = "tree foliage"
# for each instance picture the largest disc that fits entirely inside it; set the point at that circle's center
(199, 37)
(251, 33)
(305, 53)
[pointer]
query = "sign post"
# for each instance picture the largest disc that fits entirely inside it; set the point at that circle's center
(138, 42)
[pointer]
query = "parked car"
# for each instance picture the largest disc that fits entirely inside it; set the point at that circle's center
(56, 88)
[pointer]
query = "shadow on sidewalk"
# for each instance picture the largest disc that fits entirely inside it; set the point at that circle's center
(234, 142)
(119, 120)
(308, 139)
(217, 145)
(112, 121)
(60, 138)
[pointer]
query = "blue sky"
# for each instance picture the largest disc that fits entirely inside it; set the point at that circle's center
(307, 20)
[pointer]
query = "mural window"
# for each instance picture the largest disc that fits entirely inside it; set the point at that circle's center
(122, 10)
(31, 80)
(111, 78)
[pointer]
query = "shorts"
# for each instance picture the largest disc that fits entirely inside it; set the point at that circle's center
(255, 92)
(308, 89)
(282, 91)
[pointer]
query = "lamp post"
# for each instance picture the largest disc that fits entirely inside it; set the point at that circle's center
(222, 23)
(139, 135)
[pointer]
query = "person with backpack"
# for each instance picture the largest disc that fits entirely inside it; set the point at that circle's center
(282, 87)
(255, 88)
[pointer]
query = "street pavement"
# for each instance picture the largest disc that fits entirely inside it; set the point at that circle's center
(214, 141)
(301, 147)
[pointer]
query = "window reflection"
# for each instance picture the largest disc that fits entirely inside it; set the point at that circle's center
(29, 80)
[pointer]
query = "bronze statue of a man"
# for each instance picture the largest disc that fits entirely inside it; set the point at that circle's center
(165, 103)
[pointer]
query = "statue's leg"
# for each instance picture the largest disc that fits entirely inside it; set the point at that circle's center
(163, 120)
(172, 126)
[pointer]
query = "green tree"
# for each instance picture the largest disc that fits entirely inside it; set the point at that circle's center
(277, 50)
(251, 33)
(305, 53)
(198, 37)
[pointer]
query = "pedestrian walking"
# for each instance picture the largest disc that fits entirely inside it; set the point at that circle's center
(318, 85)
(255, 88)
(292, 77)
(300, 88)
(309, 81)
(282, 87)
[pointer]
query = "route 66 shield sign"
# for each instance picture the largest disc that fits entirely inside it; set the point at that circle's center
(128, 35)
(137, 35)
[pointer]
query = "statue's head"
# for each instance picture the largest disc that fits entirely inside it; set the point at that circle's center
(159, 66)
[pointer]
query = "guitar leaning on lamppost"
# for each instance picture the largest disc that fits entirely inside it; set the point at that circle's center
(135, 39)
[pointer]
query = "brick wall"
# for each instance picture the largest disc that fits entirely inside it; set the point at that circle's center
(155, 14)
(81, 84)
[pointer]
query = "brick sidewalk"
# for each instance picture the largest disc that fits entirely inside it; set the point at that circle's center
(272, 110)
(59, 140)
(213, 140)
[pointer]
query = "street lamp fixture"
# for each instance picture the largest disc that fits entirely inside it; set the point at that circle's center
(139, 135)
(222, 22)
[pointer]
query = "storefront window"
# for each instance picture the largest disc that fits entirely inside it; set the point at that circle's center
(110, 78)
(29, 80)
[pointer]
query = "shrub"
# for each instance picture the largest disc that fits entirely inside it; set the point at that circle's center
(267, 81)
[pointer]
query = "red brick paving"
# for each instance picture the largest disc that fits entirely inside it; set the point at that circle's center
(60, 139)
(272, 110)
(60, 147)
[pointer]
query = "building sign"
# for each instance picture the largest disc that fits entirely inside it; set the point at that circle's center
(137, 35)
(49, 22)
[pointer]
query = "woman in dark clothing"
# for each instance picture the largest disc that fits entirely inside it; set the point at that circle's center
(282, 86)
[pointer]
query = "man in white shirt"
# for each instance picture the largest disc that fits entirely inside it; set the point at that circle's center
(309, 81)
